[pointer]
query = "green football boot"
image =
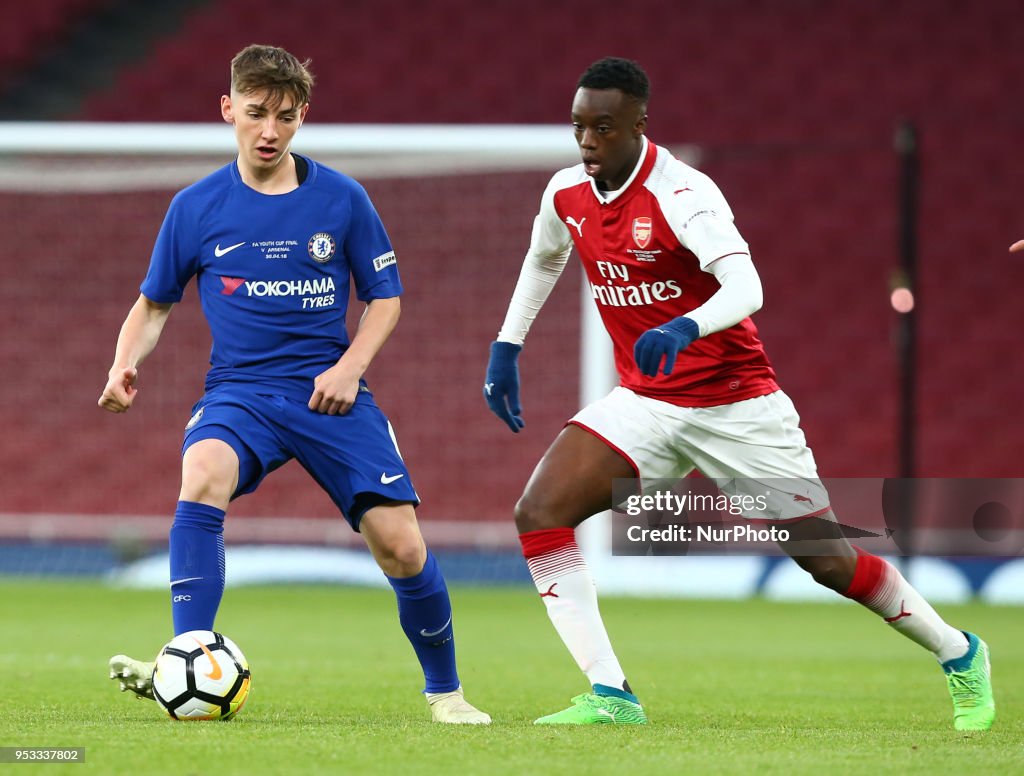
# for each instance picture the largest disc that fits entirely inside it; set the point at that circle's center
(970, 683)
(592, 709)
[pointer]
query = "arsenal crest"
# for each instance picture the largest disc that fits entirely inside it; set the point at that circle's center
(642, 231)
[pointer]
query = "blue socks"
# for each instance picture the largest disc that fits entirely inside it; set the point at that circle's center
(425, 613)
(197, 585)
(197, 565)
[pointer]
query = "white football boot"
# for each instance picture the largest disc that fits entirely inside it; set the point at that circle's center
(134, 675)
(453, 709)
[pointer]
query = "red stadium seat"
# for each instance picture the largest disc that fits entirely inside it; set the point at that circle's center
(794, 105)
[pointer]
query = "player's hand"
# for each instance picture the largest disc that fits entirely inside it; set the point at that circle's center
(334, 391)
(666, 342)
(1017, 246)
(120, 390)
(501, 386)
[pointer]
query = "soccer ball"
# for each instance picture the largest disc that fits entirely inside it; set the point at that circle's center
(201, 675)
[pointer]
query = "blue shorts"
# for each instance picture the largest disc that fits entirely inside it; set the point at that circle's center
(354, 457)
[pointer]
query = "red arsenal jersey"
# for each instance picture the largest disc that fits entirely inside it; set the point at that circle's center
(645, 250)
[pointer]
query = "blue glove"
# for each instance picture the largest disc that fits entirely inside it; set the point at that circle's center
(666, 340)
(501, 386)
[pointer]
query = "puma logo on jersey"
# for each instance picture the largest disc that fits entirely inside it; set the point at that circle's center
(577, 225)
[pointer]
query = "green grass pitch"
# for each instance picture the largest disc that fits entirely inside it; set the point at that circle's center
(730, 687)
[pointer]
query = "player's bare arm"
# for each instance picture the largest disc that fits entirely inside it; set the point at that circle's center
(1017, 246)
(335, 391)
(139, 335)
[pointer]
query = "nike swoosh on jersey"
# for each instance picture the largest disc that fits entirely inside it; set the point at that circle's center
(218, 251)
(386, 480)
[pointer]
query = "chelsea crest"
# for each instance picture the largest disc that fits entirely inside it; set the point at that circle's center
(321, 247)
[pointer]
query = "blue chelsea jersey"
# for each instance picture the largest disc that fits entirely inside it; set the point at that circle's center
(273, 272)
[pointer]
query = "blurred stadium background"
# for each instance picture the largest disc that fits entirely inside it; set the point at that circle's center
(791, 106)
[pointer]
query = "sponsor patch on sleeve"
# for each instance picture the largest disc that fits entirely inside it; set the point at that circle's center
(195, 419)
(699, 213)
(384, 260)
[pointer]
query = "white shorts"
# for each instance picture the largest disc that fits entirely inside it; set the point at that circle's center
(750, 446)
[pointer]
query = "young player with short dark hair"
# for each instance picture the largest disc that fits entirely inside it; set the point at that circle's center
(675, 286)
